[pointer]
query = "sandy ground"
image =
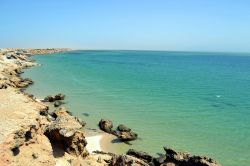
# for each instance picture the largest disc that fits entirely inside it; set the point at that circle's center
(94, 143)
(16, 110)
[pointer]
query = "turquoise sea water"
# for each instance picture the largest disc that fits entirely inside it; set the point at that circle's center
(195, 102)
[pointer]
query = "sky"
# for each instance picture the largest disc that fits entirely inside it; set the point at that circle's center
(176, 25)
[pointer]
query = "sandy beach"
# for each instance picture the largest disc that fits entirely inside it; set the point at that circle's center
(94, 143)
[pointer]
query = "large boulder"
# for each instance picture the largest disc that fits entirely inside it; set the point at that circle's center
(106, 125)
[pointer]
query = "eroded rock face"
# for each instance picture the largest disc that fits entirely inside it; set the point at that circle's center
(65, 130)
(106, 125)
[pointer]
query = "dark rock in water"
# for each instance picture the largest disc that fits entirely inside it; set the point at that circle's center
(122, 127)
(140, 155)
(170, 152)
(85, 114)
(59, 96)
(48, 99)
(54, 98)
(127, 136)
(58, 103)
(106, 125)
(123, 133)
(183, 159)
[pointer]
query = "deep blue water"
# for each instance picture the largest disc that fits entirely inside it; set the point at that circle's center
(195, 102)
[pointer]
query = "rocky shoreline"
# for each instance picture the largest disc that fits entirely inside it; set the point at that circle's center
(32, 134)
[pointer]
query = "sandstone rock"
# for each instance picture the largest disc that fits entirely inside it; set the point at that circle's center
(106, 125)
(65, 130)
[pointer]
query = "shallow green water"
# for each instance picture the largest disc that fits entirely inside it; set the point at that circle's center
(196, 102)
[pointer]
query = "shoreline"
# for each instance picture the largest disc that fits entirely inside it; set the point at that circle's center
(30, 133)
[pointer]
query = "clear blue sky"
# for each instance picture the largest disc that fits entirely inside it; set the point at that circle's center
(196, 25)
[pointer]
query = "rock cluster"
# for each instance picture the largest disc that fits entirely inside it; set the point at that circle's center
(57, 97)
(122, 132)
(171, 158)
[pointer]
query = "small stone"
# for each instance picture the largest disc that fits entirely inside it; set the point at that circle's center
(34, 155)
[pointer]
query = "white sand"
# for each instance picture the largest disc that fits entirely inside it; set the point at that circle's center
(94, 143)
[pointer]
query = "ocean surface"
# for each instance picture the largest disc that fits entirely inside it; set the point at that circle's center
(190, 101)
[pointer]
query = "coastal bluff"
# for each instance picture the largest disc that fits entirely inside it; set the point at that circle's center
(33, 134)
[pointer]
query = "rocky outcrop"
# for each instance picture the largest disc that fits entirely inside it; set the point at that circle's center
(171, 158)
(66, 130)
(123, 132)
